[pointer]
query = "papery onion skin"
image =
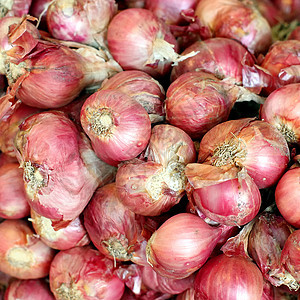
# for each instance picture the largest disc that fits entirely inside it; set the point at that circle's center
(282, 109)
(170, 11)
(38, 7)
(17, 8)
(224, 277)
(13, 198)
(60, 169)
(84, 273)
(231, 201)
(80, 21)
(141, 87)
(287, 195)
(189, 294)
(23, 254)
(72, 235)
(118, 126)
(269, 11)
(195, 104)
(256, 145)
(112, 227)
(238, 20)
(181, 245)
(289, 9)
(135, 51)
(28, 289)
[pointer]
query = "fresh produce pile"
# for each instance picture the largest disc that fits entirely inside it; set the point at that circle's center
(150, 149)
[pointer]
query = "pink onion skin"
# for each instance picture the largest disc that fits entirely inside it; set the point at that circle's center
(147, 189)
(86, 273)
(243, 279)
(80, 21)
(18, 8)
(118, 126)
(6, 159)
(237, 20)
(234, 201)
(28, 289)
(282, 109)
(132, 51)
(5, 22)
(38, 7)
(269, 11)
(223, 57)
(13, 199)
(282, 62)
(112, 227)
(9, 126)
(189, 294)
(72, 235)
(290, 9)
(290, 255)
(287, 195)
(196, 104)
(23, 254)
(170, 11)
(141, 87)
(60, 169)
(181, 245)
(267, 153)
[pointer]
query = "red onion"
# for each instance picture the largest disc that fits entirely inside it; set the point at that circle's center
(170, 11)
(181, 245)
(290, 255)
(138, 40)
(238, 20)
(72, 235)
(233, 278)
(282, 62)
(141, 87)
(118, 126)
(112, 227)
(13, 200)
(17, 8)
(282, 109)
(60, 169)
(227, 197)
(6, 159)
(289, 9)
(9, 126)
(287, 195)
(269, 11)
(38, 9)
(189, 294)
(28, 290)
(80, 21)
(256, 145)
(22, 254)
(84, 273)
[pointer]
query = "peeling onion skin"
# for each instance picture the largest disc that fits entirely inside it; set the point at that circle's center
(28, 289)
(80, 21)
(282, 109)
(13, 198)
(72, 235)
(22, 254)
(287, 195)
(118, 126)
(84, 273)
(60, 169)
(243, 279)
(16, 8)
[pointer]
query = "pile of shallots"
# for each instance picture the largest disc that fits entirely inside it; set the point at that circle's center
(150, 150)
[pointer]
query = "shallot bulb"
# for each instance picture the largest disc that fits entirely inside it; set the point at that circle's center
(170, 11)
(138, 40)
(227, 197)
(28, 289)
(255, 145)
(13, 198)
(118, 126)
(6, 159)
(16, 8)
(38, 9)
(60, 169)
(141, 87)
(22, 254)
(72, 235)
(289, 9)
(269, 11)
(112, 227)
(84, 273)
(282, 109)
(238, 20)
(80, 21)
(233, 278)
(181, 245)
(287, 194)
